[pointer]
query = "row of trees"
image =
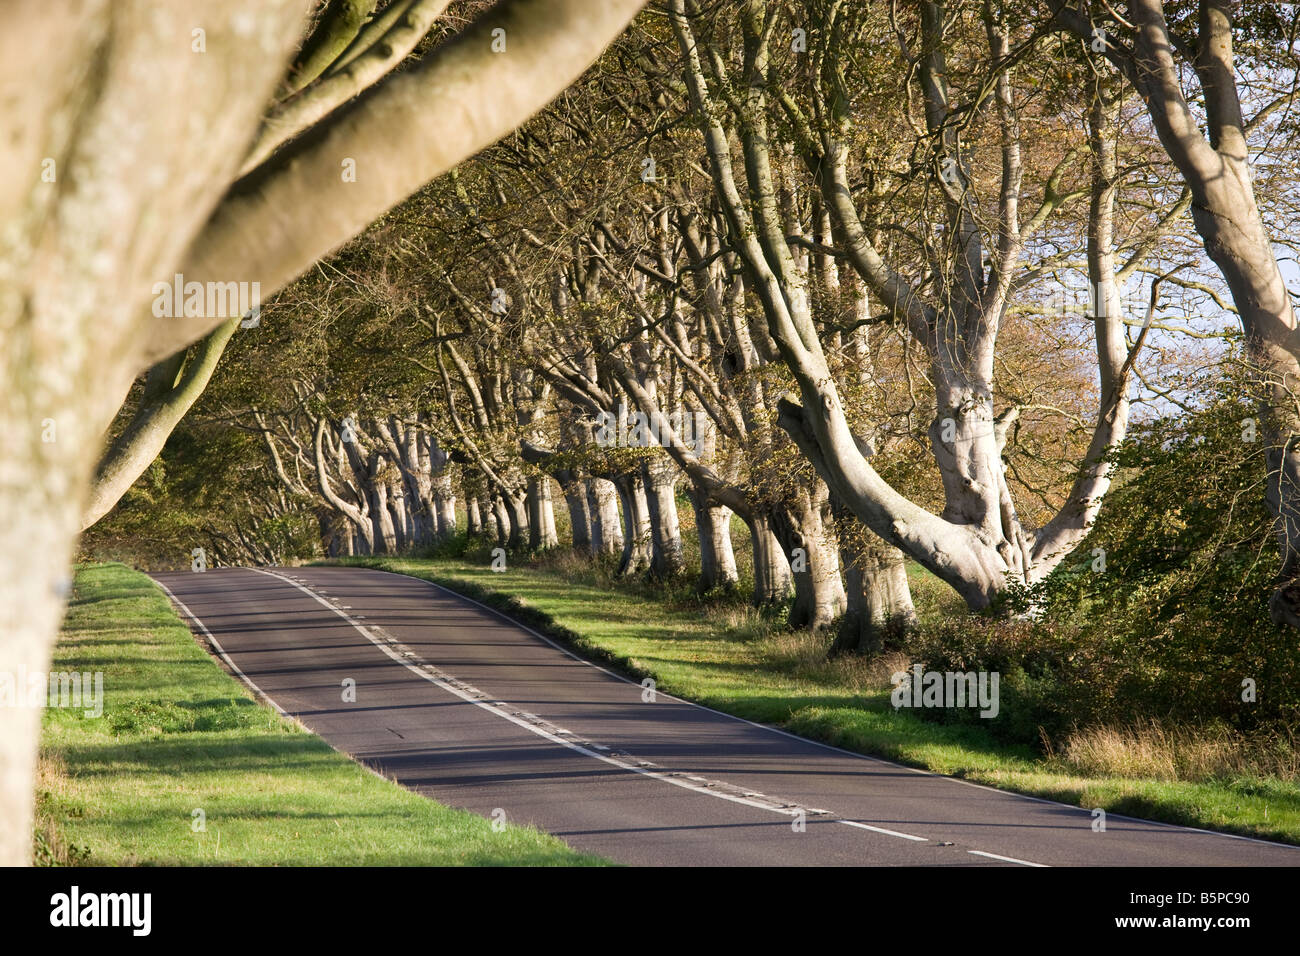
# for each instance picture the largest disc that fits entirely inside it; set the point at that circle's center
(826, 232)
(145, 140)
(849, 290)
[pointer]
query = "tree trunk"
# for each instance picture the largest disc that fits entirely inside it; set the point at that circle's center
(541, 515)
(346, 536)
(665, 528)
(473, 517)
(520, 530)
(876, 587)
(36, 538)
(401, 517)
(501, 521)
(444, 509)
(439, 492)
(548, 514)
(717, 559)
(606, 525)
(384, 534)
(636, 524)
(804, 533)
(771, 569)
(576, 498)
(325, 527)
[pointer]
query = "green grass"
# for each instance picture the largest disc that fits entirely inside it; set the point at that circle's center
(723, 655)
(179, 734)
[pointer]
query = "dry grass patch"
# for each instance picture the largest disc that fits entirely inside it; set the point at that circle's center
(1149, 750)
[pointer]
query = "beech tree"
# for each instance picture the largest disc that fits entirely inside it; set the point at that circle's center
(1208, 138)
(973, 258)
(819, 229)
(120, 168)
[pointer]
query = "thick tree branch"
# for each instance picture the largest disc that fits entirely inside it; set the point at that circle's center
(399, 135)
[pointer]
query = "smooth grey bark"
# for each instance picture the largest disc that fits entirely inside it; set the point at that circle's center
(713, 526)
(637, 552)
(171, 389)
(441, 492)
(800, 526)
(473, 517)
(516, 507)
(388, 513)
(771, 569)
(878, 595)
(541, 515)
(666, 556)
(416, 469)
(573, 488)
(606, 524)
(581, 519)
(501, 524)
(444, 508)
(885, 585)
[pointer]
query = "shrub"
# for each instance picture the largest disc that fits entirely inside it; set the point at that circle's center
(1178, 618)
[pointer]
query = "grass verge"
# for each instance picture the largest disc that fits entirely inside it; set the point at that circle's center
(179, 735)
(726, 656)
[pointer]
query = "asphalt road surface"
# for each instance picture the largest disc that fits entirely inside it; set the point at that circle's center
(464, 706)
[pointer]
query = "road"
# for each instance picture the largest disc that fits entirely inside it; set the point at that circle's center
(460, 704)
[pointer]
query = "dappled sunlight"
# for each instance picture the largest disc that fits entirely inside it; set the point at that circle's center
(179, 736)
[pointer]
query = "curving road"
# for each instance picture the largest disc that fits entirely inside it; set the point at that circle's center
(464, 706)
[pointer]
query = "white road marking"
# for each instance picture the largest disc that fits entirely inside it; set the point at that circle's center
(684, 783)
(818, 743)
(1007, 859)
(894, 833)
(677, 781)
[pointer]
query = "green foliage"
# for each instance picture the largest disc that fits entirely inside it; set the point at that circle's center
(1190, 561)
(1161, 613)
(1048, 676)
(209, 486)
